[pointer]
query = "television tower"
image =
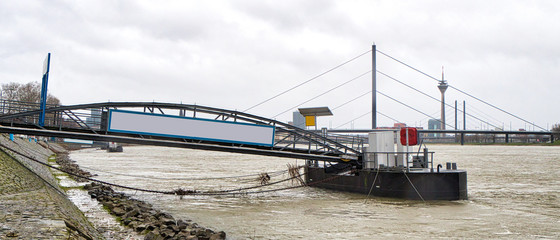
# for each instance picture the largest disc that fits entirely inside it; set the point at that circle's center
(442, 87)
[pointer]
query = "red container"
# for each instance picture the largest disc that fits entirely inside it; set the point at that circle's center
(412, 136)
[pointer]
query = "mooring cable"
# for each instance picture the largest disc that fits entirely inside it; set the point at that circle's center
(285, 188)
(252, 187)
(34, 173)
(79, 176)
(275, 173)
(179, 191)
(373, 184)
(414, 187)
(183, 179)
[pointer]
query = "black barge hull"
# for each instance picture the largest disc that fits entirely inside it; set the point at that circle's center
(445, 185)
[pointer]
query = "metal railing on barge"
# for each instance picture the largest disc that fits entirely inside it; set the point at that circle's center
(412, 161)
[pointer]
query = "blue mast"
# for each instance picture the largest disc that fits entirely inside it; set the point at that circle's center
(44, 84)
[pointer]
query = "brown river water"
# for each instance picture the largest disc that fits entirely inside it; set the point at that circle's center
(514, 193)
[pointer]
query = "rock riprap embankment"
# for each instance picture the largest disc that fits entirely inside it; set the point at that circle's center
(143, 218)
(32, 205)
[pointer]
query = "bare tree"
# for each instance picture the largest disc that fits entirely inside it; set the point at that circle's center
(556, 131)
(26, 93)
(29, 92)
(17, 97)
(9, 91)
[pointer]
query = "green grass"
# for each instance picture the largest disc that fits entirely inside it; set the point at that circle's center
(52, 158)
(68, 188)
(555, 143)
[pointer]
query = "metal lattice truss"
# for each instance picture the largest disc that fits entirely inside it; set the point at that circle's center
(88, 121)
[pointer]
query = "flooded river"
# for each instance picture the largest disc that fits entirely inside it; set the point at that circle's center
(514, 193)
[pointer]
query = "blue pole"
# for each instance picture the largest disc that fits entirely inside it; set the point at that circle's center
(45, 83)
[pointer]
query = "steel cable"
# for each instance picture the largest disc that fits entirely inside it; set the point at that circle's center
(313, 98)
(459, 90)
(241, 177)
(309, 80)
(180, 192)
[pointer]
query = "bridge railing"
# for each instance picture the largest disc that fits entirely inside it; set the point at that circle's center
(10, 107)
(92, 118)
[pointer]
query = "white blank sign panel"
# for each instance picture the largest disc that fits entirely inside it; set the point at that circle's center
(191, 128)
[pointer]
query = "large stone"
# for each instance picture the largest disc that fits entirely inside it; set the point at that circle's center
(132, 213)
(209, 232)
(150, 227)
(182, 224)
(133, 224)
(13, 233)
(167, 220)
(150, 236)
(153, 236)
(127, 221)
(152, 221)
(109, 205)
(218, 236)
(119, 211)
(168, 233)
(199, 232)
(129, 206)
(140, 227)
(183, 233)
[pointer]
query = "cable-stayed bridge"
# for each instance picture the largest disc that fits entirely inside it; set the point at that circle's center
(92, 122)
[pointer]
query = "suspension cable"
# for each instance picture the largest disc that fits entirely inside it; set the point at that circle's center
(309, 80)
(313, 98)
(483, 114)
(395, 120)
(427, 95)
(354, 99)
(406, 105)
(463, 92)
(459, 90)
(353, 120)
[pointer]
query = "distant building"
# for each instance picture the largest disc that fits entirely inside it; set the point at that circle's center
(434, 124)
(399, 125)
(298, 120)
(94, 120)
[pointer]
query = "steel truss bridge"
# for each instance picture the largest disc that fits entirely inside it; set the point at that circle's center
(462, 133)
(89, 122)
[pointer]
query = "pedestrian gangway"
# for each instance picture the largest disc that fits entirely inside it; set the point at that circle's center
(90, 122)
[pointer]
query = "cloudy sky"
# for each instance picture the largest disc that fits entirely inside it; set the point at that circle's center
(236, 54)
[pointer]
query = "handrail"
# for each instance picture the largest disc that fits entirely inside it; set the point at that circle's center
(428, 156)
(316, 142)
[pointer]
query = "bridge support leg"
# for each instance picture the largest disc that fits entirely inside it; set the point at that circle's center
(462, 138)
(507, 138)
